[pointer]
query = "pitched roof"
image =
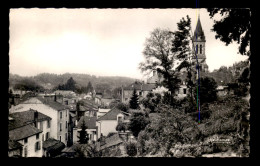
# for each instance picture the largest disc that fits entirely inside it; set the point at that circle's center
(53, 104)
(198, 32)
(111, 141)
(20, 119)
(23, 132)
(90, 122)
(12, 145)
(112, 114)
(140, 86)
(52, 144)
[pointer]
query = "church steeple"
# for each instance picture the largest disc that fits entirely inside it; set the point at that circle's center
(199, 42)
(199, 33)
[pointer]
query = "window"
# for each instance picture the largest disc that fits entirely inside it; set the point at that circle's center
(42, 137)
(25, 140)
(140, 93)
(60, 126)
(196, 49)
(48, 124)
(60, 138)
(66, 124)
(184, 91)
(37, 136)
(66, 113)
(200, 49)
(25, 151)
(41, 125)
(47, 135)
(66, 136)
(61, 115)
(37, 146)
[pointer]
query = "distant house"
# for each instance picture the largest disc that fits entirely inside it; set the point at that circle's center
(30, 129)
(155, 78)
(90, 123)
(182, 91)
(141, 88)
(58, 113)
(108, 122)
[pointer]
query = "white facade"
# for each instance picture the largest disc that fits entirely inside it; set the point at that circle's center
(56, 121)
(30, 146)
(106, 126)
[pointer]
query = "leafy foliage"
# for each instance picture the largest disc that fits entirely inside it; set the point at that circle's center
(207, 90)
(121, 127)
(138, 122)
(158, 56)
(235, 25)
(28, 85)
(131, 149)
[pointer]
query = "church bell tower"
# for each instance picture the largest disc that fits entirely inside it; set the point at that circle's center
(199, 41)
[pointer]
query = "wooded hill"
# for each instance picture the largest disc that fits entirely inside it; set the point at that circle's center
(49, 81)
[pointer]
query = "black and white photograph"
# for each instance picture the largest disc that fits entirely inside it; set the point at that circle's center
(129, 82)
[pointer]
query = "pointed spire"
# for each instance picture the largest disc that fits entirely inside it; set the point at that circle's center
(199, 32)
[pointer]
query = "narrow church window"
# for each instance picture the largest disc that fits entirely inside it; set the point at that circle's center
(196, 49)
(200, 49)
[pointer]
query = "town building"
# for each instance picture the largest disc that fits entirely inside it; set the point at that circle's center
(91, 129)
(199, 47)
(141, 88)
(58, 113)
(29, 128)
(108, 122)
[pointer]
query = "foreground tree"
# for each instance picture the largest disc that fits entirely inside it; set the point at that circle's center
(181, 48)
(158, 57)
(207, 92)
(235, 25)
(138, 122)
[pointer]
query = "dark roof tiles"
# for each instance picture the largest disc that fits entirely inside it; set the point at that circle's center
(23, 118)
(23, 132)
(90, 122)
(53, 104)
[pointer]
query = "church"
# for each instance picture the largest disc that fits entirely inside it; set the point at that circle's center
(198, 55)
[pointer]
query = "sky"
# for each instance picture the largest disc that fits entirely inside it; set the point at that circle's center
(101, 42)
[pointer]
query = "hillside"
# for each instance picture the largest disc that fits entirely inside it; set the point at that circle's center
(49, 81)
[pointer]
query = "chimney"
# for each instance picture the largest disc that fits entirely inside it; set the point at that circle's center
(35, 118)
(55, 97)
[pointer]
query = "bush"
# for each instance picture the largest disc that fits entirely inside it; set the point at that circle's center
(131, 149)
(121, 127)
(138, 122)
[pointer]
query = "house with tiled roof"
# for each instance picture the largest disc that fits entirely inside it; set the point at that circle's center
(91, 128)
(15, 149)
(30, 129)
(141, 88)
(52, 147)
(108, 122)
(113, 146)
(56, 111)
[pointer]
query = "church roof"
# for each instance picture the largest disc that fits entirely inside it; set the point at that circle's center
(199, 32)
